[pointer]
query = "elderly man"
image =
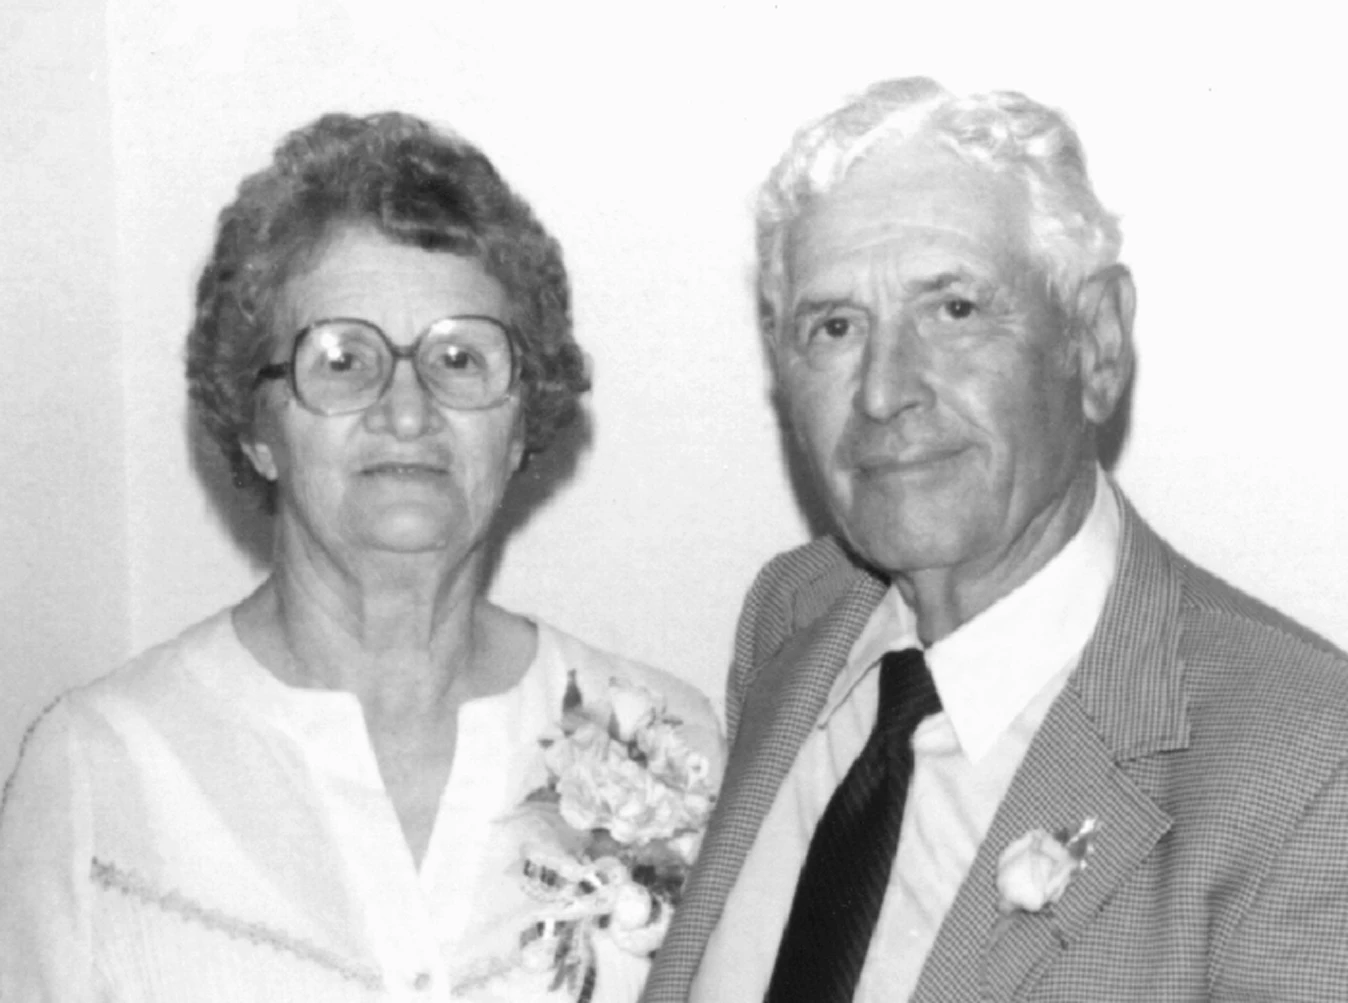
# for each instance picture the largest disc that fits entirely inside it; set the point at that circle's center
(996, 740)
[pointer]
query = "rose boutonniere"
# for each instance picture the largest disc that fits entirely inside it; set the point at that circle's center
(1035, 870)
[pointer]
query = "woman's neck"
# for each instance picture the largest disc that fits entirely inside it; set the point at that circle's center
(389, 631)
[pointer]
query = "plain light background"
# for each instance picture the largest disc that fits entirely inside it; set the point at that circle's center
(639, 133)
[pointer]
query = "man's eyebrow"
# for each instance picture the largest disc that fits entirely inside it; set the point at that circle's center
(809, 307)
(940, 282)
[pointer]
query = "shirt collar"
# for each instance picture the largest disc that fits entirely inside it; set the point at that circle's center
(989, 669)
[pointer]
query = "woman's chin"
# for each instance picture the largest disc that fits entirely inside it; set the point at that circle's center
(410, 529)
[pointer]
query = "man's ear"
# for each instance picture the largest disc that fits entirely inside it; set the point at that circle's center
(1104, 320)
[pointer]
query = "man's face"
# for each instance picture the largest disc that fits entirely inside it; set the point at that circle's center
(926, 368)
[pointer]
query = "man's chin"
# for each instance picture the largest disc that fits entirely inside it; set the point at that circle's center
(907, 537)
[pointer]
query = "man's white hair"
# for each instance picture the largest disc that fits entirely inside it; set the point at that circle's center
(1071, 234)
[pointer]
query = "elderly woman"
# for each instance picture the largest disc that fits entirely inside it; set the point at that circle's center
(365, 781)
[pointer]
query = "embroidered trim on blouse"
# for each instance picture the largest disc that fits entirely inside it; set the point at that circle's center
(480, 974)
(129, 883)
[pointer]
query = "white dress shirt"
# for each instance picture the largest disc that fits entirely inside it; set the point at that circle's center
(997, 676)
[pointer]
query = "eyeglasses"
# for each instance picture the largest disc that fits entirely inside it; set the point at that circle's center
(343, 364)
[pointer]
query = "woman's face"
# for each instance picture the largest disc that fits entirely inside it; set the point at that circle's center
(407, 474)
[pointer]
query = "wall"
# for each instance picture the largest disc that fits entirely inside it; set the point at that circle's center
(639, 135)
(63, 557)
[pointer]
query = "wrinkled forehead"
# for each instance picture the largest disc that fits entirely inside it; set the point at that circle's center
(920, 197)
(361, 272)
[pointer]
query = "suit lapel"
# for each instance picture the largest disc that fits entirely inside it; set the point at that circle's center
(786, 700)
(781, 709)
(1123, 702)
(1069, 775)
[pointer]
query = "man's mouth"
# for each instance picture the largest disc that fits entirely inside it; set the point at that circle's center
(911, 461)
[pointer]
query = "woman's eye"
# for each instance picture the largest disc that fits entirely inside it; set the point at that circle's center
(342, 362)
(458, 358)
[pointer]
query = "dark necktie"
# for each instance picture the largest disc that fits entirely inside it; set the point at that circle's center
(842, 883)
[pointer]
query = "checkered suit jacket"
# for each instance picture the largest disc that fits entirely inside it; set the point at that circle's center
(1206, 732)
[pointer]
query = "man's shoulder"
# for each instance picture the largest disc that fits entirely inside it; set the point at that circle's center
(1212, 603)
(1257, 710)
(1256, 652)
(1256, 685)
(1215, 620)
(813, 573)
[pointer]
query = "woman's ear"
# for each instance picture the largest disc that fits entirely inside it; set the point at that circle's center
(260, 455)
(1104, 318)
(517, 449)
(256, 441)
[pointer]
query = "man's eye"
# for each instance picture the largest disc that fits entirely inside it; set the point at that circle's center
(835, 329)
(958, 309)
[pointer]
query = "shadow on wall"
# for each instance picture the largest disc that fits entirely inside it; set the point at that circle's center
(243, 519)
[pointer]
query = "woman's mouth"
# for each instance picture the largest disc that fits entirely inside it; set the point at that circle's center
(405, 471)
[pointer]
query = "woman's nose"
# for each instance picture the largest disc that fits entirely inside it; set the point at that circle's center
(407, 408)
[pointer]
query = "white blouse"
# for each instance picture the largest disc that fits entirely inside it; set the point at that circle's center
(189, 828)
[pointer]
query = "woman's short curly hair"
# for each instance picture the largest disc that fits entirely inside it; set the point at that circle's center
(415, 185)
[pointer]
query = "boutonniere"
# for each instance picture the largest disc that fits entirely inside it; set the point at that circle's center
(1035, 870)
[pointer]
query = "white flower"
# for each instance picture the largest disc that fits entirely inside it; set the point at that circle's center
(687, 845)
(586, 744)
(1035, 870)
(634, 707)
(640, 934)
(632, 906)
(671, 759)
(599, 786)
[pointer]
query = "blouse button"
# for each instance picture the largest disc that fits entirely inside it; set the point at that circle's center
(422, 982)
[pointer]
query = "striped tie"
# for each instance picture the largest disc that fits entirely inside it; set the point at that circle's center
(842, 884)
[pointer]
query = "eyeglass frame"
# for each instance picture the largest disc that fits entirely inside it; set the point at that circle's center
(399, 353)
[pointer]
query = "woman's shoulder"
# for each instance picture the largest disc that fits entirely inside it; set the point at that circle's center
(596, 668)
(93, 715)
(152, 677)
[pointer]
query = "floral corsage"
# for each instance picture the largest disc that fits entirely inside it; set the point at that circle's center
(1035, 870)
(625, 802)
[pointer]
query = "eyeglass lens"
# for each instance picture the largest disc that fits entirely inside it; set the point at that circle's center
(346, 365)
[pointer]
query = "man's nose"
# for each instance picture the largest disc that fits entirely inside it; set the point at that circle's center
(407, 409)
(895, 371)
